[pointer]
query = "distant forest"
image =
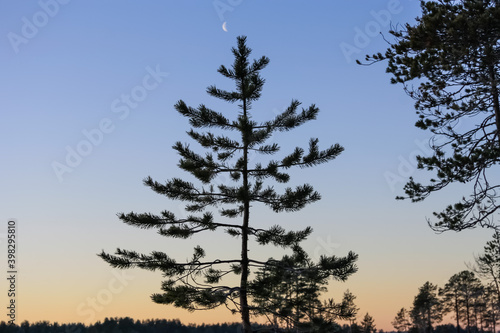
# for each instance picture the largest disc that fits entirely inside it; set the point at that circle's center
(129, 325)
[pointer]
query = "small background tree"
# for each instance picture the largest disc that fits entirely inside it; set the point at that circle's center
(368, 324)
(487, 266)
(402, 321)
(461, 296)
(427, 309)
(288, 295)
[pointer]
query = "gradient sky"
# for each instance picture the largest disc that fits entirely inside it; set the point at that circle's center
(67, 69)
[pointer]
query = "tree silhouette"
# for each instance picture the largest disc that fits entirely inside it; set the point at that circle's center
(122, 325)
(402, 321)
(491, 309)
(487, 266)
(287, 293)
(460, 296)
(197, 283)
(368, 324)
(452, 55)
(427, 308)
(350, 307)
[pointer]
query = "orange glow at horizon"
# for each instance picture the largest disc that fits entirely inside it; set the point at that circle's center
(89, 306)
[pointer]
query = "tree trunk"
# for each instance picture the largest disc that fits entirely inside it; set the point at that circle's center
(245, 312)
(494, 319)
(467, 313)
(494, 95)
(428, 329)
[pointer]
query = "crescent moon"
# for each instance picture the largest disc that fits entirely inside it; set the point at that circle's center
(224, 26)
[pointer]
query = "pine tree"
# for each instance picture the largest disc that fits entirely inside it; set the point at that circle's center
(427, 308)
(487, 266)
(402, 321)
(491, 315)
(459, 296)
(196, 283)
(287, 293)
(449, 63)
(355, 328)
(368, 324)
(350, 308)
(488, 263)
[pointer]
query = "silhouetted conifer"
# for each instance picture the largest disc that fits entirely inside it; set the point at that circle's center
(460, 295)
(449, 63)
(287, 293)
(368, 324)
(427, 308)
(402, 321)
(196, 283)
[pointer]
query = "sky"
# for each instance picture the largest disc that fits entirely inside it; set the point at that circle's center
(86, 99)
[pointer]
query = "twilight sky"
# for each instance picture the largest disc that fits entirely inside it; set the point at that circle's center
(86, 100)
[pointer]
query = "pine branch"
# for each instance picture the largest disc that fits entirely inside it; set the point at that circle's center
(228, 96)
(297, 158)
(182, 190)
(276, 235)
(147, 220)
(270, 171)
(160, 261)
(339, 268)
(258, 137)
(291, 200)
(169, 226)
(289, 119)
(216, 143)
(203, 168)
(267, 149)
(203, 117)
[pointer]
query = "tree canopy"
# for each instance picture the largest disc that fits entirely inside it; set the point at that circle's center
(427, 308)
(368, 324)
(460, 295)
(402, 321)
(448, 62)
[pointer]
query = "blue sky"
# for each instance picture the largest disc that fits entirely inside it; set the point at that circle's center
(101, 78)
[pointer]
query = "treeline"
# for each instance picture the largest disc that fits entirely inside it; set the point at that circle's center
(120, 325)
(472, 297)
(129, 325)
